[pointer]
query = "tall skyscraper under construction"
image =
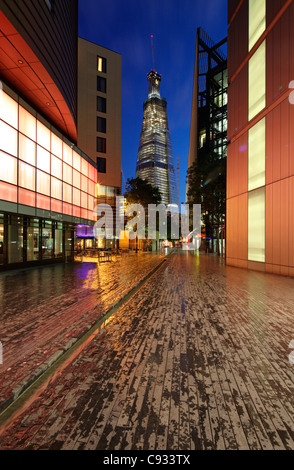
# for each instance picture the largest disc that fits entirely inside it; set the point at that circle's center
(155, 158)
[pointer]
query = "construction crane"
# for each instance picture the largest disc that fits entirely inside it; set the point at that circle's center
(152, 49)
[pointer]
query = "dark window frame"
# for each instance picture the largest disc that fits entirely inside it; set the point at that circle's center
(101, 145)
(101, 165)
(101, 124)
(100, 81)
(101, 104)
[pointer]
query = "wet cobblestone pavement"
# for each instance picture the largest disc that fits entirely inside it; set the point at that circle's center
(197, 359)
(44, 310)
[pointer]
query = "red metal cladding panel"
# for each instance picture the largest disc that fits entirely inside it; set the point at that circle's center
(285, 50)
(237, 227)
(238, 103)
(276, 223)
(291, 222)
(276, 143)
(291, 139)
(285, 163)
(237, 166)
(291, 41)
(269, 149)
(232, 7)
(243, 227)
(272, 9)
(269, 224)
(284, 227)
(238, 40)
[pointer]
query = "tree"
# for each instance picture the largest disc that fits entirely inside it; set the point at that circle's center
(139, 191)
(207, 186)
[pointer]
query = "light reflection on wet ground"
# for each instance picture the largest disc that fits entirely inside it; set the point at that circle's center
(197, 359)
(44, 310)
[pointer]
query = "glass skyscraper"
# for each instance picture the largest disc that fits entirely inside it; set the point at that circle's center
(155, 158)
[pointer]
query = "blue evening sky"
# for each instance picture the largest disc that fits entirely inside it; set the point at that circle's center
(125, 26)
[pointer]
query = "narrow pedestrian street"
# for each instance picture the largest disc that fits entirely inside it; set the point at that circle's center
(196, 358)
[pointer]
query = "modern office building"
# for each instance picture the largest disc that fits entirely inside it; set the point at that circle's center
(99, 118)
(155, 159)
(47, 184)
(260, 162)
(208, 128)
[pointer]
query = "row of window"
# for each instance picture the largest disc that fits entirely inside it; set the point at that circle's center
(101, 108)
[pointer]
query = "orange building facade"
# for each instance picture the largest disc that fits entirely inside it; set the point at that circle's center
(260, 158)
(48, 183)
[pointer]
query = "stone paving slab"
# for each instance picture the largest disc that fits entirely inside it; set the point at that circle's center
(197, 359)
(45, 310)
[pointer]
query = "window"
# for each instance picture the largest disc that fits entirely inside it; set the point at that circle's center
(257, 21)
(101, 124)
(101, 84)
(101, 64)
(101, 165)
(257, 82)
(256, 156)
(27, 176)
(101, 145)
(8, 171)
(101, 104)
(256, 225)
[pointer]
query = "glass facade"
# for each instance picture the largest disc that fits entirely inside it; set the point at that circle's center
(38, 168)
(40, 173)
(155, 158)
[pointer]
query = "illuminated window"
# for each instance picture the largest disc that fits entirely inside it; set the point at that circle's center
(8, 139)
(101, 124)
(256, 156)
(76, 197)
(43, 183)
(256, 225)
(76, 161)
(8, 168)
(56, 167)
(101, 84)
(27, 176)
(67, 193)
(67, 154)
(27, 124)
(43, 135)
(202, 138)
(84, 183)
(256, 82)
(43, 159)
(56, 188)
(101, 64)
(67, 173)
(85, 167)
(8, 109)
(56, 145)
(257, 21)
(76, 179)
(27, 150)
(84, 200)
(101, 104)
